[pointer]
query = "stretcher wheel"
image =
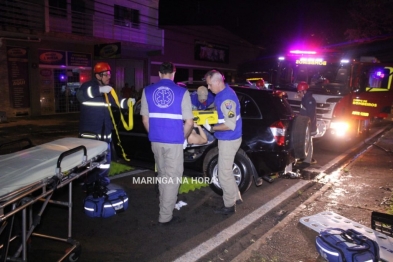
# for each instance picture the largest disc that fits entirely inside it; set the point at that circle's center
(75, 255)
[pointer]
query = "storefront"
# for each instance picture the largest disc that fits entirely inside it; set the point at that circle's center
(61, 73)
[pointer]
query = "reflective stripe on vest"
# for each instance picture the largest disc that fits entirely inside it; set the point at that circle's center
(89, 93)
(90, 103)
(163, 115)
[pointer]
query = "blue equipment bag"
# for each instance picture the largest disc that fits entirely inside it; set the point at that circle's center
(338, 245)
(107, 204)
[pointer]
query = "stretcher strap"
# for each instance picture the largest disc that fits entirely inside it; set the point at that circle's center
(128, 126)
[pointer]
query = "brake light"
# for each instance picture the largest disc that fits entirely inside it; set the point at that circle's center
(278, 131)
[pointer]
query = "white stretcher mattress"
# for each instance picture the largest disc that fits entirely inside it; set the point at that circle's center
(28, 166)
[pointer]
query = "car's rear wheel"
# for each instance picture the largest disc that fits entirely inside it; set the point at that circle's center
(241, 171)
(301, 136)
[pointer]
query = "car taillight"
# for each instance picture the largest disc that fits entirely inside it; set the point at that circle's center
(278, 131)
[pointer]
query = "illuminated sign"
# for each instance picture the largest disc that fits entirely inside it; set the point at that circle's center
(357, 113)
(361, 102)
(310, 61)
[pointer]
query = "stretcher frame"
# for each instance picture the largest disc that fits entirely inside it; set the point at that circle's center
(22, 200)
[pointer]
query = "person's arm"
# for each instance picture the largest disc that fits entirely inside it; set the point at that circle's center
(187, 114)
(310, 106)
(88, 91)
(210, 101)
(229, 116)
(145, 112)
(197, 139)
(145, 121)
(188, 124)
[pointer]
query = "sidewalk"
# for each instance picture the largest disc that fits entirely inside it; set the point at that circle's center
(363, 186)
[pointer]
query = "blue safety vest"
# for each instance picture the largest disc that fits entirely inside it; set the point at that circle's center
(164, 100)
(228, 94)
(198, 105)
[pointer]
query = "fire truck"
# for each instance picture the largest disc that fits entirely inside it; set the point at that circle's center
(350, 93)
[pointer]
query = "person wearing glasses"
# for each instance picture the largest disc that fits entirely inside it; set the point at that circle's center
(95, 120)
(308, 108)
(229, 135)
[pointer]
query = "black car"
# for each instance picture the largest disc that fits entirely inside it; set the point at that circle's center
(272, 138)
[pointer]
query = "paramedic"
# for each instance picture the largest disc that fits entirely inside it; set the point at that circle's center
(167, 117)
(229, 135)
(308, 108)
(202, 99)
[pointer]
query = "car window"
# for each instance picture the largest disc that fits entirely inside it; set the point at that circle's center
(248, 107)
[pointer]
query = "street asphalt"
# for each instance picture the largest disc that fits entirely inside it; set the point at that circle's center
(353, 192)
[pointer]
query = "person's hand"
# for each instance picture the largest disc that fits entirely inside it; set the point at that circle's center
(208, 126)
(185, 144)
(105, 89)
(130, 100)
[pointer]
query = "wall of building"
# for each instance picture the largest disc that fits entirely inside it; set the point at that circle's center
(193, 49)
(182, 47)
(30, 27)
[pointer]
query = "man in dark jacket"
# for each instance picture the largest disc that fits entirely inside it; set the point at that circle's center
(308, 108)
(95, 120)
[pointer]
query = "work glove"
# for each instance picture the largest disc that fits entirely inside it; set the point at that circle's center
(130, 101)
(185, 144)
(105, 89)
(207, 126)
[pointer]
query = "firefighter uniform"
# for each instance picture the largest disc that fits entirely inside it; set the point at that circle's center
(167, 105)
(308, 108)
(95, 123)
(228, 110)
(95, 119)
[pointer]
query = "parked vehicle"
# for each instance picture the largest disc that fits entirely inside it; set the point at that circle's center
(272, 138)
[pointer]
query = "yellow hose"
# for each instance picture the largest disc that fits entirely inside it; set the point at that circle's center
(128, 126)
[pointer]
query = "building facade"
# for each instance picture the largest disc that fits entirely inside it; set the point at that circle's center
(197, 49)
(48, 49)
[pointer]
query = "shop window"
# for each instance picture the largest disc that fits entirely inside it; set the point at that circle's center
(126, 16)
(58, 8)
(66, 84)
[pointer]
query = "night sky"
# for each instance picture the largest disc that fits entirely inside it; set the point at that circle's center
(273, 25)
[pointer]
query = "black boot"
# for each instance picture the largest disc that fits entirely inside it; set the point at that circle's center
(225, 210)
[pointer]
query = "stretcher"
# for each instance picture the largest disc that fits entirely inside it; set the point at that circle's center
(31, 176)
